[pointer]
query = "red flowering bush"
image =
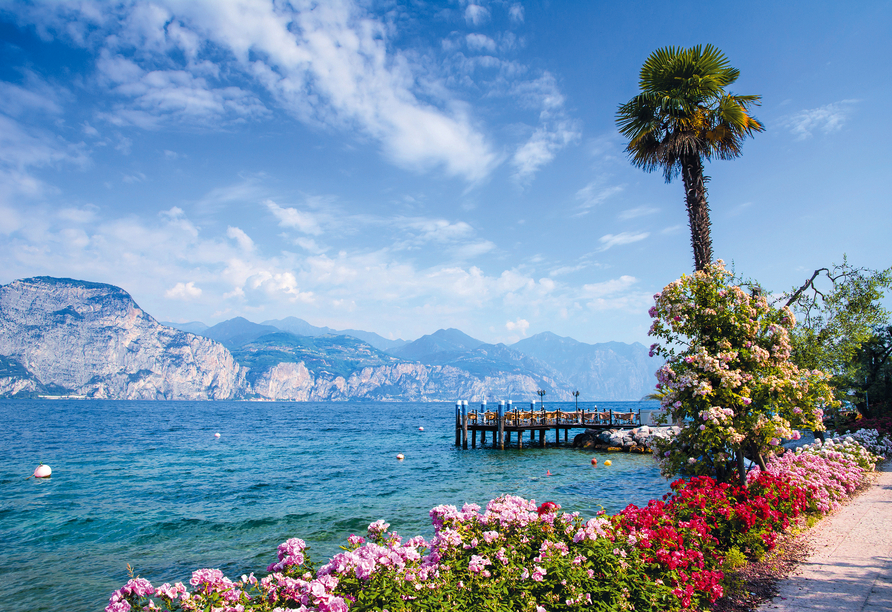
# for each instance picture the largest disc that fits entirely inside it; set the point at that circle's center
(682, 554)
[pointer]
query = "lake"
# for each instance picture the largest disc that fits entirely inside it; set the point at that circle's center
(148, 483)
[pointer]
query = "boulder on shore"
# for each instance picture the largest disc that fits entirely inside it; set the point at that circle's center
(626, 439)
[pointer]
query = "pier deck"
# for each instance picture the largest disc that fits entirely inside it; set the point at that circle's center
(503, 423)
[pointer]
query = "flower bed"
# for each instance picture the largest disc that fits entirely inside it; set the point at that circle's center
(517, 556)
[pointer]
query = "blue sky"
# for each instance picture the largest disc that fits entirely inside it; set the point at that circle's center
(405, 166)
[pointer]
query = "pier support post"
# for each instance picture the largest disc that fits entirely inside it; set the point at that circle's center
(542, 438)
(474, 439)
(458, 423)
(464, 424)
(483, 431)
(501, 425)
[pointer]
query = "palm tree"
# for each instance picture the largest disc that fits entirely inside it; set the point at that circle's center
(681, 117)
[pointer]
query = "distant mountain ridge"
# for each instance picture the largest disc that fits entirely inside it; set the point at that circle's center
(70, 337)
(608, 370)
(239, 330)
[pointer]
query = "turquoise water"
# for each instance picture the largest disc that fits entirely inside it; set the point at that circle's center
(147, 483)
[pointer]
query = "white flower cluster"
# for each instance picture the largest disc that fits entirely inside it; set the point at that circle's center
(848, 448)
(872, 440)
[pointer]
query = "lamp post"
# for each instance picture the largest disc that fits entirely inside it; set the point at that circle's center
(541, 394)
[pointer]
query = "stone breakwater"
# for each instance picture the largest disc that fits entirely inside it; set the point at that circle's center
(635, 440)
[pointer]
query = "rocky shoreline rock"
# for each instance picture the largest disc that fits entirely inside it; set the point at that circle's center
(635, 440)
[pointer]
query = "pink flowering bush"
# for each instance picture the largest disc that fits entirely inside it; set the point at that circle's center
(514, 555)
(828, 478)
(728, 381)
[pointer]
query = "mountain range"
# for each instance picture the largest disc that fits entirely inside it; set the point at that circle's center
(71, 337)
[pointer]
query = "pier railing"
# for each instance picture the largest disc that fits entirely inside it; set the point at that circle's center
(507, 420)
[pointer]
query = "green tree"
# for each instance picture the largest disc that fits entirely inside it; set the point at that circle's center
(869, 380)
(838, 310)
(682, 117)
(728, 381)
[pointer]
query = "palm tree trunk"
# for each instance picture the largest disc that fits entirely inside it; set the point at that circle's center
(698, 209)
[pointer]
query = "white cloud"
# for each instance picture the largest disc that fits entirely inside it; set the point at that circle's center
(34, 96)
(521, 325)
(611, 287)
(291, 217)
(476, 14)
(183, 291)
(612, 240)
(437, 230)
(595, 193)
(640, 211)
(272, 285)
(480, 42)
(309, 245)
(828, 118)
(555, 130)
(223, 273)
(23, 146)
(542, 147)
(328, 64)
(158, 96)
(739, 209)
(244, 241)
(615, 294)
(85, 214)
(516, 13)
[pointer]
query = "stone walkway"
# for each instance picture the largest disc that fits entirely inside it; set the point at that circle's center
(850, 567)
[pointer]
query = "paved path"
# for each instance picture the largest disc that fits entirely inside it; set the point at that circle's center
(850, 567)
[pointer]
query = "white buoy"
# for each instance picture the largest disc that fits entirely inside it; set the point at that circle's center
(400, 457)
(216, 435)
(421, 429)
(43, 471)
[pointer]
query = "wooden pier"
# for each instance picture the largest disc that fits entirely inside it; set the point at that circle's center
(508, 420)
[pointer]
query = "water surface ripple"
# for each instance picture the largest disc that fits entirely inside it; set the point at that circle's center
(147, 483)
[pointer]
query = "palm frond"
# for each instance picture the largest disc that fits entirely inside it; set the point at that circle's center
(683, 110)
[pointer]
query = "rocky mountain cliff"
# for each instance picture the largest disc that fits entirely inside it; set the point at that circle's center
(63, 336)
(70, 337)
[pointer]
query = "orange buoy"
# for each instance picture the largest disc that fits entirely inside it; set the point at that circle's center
(400, 457)
(608, 463)
(594, 461)
(548, 472)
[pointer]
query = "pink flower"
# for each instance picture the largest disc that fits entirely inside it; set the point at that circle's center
(356, 540)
